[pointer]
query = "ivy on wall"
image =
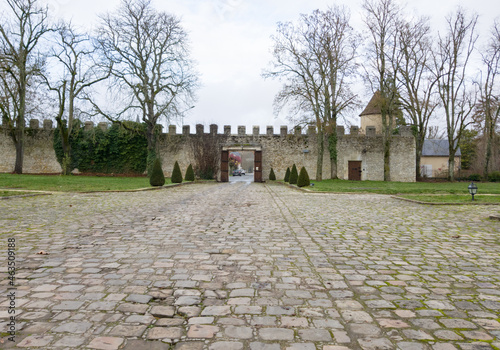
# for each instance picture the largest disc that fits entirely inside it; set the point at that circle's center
(117, 150)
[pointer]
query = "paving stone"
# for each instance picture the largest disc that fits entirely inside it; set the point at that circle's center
(226, 345)
(128, 331)
(457, 323)
(146, 345)
(248, 310)
(139, 298)
(411, 346)
(320, 335)
(239, 332)
(375, 344)
(287, 321)
(189, 346)
(280, 310)
(68, 305)
(162, 311)
(73, 327)
(276, 334)
(70, 341)
(202, 331)
(301, 346)
(264, 346)
(169, 322)
(188, 301)
(106, 343)
(165, 332)
(190, 311)
(134, 308)
(216, 311)
(35, 341)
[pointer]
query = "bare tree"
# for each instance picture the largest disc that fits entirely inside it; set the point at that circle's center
(74, 60)
(20, 33)
(417, 84)
(382, 17)
(451, 58)
(147, 54)
(488, 108)
(315, 60)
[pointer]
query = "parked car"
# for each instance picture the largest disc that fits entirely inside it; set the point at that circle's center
(237, 172)
(243, 172)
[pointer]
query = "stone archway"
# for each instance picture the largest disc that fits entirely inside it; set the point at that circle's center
(224, 167)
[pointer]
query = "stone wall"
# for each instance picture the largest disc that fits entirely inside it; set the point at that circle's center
(279, 151)
(39, 155)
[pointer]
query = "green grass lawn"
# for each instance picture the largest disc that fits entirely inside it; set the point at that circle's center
(73, 183)
(403, 187)
(12, 193)
(454, 198)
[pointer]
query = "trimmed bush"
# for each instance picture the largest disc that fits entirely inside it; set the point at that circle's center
(157, 178)
(272, 176)
(494, 176)
(176, 174)
(303, 179)
(474, 177)
(287, 175)
(189, 173)
(294, 175)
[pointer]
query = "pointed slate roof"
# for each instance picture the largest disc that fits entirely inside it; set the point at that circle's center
(437, 148)
(373, 106)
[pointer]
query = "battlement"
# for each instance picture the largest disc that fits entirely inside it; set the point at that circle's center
(213, 129)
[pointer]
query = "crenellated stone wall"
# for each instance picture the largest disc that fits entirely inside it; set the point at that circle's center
(280, 149)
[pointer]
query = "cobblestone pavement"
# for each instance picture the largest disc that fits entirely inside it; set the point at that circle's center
(249, 266)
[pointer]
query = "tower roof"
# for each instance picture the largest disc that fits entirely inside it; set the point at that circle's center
(374, 105)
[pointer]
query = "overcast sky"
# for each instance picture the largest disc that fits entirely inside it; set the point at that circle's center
(230, 40)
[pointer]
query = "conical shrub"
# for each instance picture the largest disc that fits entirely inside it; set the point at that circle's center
(189, 173)
(272, 176)
(303, 179)
(287, 175)
(176, 174)
(294, 175)
(157, 178)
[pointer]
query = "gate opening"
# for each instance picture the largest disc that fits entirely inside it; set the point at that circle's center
(239, 164)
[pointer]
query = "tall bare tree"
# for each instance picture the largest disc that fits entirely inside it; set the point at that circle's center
(416, 81)
(76, 70)
(20, 32)
(451, 58)
(147, 54)
(382, 17)
(488, 108)
(315, 59)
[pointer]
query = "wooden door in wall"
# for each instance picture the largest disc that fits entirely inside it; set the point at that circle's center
(355, 170)
(257, 166)
(224, 167)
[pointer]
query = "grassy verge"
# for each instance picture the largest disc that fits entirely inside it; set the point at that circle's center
(73, 183)
(453, 198)
(458, 188)
(12, 193)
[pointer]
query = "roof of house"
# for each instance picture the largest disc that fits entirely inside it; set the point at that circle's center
(437, 148)
(373, 107)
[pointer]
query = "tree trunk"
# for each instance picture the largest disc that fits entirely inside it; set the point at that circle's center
(332, 148)
(487, 156)
(321, 152)
(386, 140)
(451, 166)
(419, 144)
(18, 168)
(152, 154)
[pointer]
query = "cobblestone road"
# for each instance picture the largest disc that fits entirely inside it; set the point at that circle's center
(249, 266)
